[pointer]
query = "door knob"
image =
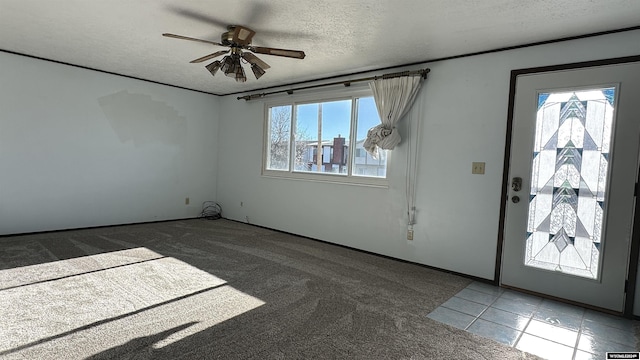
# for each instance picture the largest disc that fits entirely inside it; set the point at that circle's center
(515, 199)
(516, 184)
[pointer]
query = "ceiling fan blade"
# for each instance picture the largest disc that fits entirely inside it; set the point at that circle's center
(191, 39)
(252, 59)
(198, 16)
(297, 54)
(210, 56)
(257, 13)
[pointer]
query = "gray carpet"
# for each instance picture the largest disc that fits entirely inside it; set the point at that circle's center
(202, 289)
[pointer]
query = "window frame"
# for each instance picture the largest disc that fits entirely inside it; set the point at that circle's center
(349, 178)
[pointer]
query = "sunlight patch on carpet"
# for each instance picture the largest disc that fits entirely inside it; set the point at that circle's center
(90, 305)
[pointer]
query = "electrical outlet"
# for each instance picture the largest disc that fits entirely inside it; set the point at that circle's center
(410, 233)
(186, 201)
(477, 168)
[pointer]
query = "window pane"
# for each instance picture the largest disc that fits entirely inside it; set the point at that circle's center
(279, 138)
(306, 136)
(324, 126)
(363, 163)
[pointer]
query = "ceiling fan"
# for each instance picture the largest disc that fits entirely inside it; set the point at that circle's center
(238, 38)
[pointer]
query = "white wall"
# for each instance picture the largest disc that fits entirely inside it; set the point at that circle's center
(81, 148)
(463, 109)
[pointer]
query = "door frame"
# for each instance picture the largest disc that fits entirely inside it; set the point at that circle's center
(635, 236)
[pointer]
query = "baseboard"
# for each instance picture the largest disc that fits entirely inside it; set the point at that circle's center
(471, 277)
(95, 227)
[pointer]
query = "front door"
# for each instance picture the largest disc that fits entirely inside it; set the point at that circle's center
(572, 174)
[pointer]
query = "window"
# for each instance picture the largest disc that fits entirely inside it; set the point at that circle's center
(279, 135)
(323, 141)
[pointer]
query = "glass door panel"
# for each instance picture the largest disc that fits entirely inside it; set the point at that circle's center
(568, 181)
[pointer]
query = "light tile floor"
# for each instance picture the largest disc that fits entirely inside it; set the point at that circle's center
(547, 328)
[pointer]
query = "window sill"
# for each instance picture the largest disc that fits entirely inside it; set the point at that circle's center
(328, 178)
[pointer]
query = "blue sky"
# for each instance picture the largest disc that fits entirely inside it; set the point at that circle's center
(335, 118)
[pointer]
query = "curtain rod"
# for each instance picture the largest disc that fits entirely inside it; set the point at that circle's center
(422, 72)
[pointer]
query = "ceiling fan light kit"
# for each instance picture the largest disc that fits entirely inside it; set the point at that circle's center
(214, 67)
(238, 38)
(257, 71)
(240, 76)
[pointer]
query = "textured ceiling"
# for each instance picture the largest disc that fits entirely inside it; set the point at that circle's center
(338, 36)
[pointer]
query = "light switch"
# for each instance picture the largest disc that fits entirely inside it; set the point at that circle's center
(477, 168)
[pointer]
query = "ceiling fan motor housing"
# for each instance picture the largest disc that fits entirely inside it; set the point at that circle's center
(237, 35)
(227, 38)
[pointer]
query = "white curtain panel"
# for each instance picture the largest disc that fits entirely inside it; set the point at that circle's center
(393, 99)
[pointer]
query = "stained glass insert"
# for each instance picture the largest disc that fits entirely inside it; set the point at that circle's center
(568, 181)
